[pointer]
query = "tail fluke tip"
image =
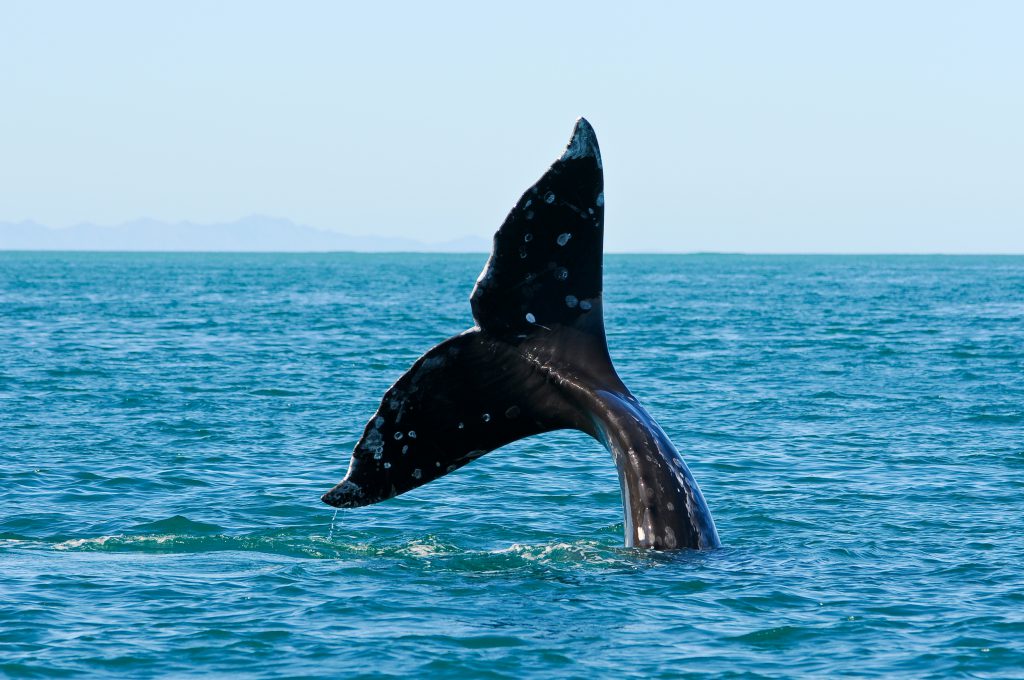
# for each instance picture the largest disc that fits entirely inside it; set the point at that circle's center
(583, 143)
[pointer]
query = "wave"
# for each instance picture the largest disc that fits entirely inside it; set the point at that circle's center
(180, 535)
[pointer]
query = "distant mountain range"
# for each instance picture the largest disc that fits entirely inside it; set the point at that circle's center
(250, 234)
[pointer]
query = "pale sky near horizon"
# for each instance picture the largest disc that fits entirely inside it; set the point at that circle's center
(752, 127)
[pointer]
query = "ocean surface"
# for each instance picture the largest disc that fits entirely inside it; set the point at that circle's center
(168, 423)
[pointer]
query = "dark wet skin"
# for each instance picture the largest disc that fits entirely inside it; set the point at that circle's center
(536, 361)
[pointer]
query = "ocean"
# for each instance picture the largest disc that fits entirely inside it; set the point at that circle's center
(168, 423)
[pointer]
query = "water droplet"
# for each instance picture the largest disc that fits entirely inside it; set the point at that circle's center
(398, 435)
(531, 318)
(330, 532)
(561, 273)
(522, 253)
(417, 473)
(600, 199)
(486, 417)
(462, 426)
(528, 237)
(387, 466)
(405, 449)
(550, 197)
(412, 434)
(571, 301)
(564, 238)
(585, 305)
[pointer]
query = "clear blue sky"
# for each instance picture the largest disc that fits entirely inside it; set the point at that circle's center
(757, 126)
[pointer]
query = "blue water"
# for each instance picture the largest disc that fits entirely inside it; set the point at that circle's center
(168, 423)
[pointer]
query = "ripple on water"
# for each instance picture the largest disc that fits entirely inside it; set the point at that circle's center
(170, 421)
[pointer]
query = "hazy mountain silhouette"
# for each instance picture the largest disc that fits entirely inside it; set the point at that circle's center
(254, 233)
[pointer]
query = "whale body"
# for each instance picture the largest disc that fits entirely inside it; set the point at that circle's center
(535, 361)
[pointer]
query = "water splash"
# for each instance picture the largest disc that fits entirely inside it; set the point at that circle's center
(330, 532)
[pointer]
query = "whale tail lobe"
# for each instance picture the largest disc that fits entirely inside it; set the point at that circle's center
(537, 305)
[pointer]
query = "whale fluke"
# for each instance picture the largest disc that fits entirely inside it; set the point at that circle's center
(536, 361)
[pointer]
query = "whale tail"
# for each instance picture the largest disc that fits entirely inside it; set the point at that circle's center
(537, 305)
(536, 361)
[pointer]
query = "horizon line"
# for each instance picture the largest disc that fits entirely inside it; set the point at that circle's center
(717, 253)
